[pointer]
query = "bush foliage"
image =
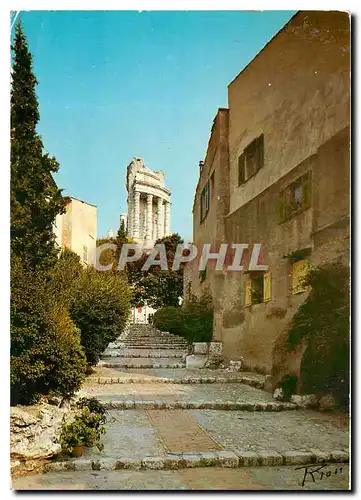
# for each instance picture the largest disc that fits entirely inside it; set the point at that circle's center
(323, 320)
(46, 354)
(100, 309)
(193, 321)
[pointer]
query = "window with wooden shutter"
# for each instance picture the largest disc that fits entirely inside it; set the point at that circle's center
(248, 293)
(306, 187)
(282, 205)
(266, 287)
(251, 160)
(205, 201)
(241, 169)
(296, 197)
(299, 272)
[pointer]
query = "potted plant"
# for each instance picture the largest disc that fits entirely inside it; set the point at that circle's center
(85, 430)
(72, 437)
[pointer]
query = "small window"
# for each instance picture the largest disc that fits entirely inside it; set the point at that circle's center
(85, 253)
(296, 197)
(299, 273)
(205, 201)
(251, 160)
(257, 288)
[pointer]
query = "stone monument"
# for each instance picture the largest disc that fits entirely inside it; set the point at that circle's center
(148, 204)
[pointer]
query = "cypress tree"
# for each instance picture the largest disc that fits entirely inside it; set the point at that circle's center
(35, 198)
(122, 233)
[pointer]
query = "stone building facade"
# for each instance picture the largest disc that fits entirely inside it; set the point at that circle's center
(148, 204)
(76, 229)
(277, 172)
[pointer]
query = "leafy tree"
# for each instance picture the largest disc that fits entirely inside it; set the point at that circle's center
(35, 198)
(158, 287)
(108, 256)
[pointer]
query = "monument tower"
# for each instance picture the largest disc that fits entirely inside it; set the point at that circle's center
(148, 204)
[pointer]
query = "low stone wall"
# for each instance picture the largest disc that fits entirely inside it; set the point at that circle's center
(203, 354)
(34, 430)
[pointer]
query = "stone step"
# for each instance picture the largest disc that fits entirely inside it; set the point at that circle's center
(140, 363)
(134, 404)
(175, 461)
(155, 346)
(180, 380)
(135, 354)
(151, 346)
(156, 339)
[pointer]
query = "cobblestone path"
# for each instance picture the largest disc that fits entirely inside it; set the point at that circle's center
(166, 423)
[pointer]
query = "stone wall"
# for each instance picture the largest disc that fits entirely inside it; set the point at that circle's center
(296, 93)
(252, 331)
(34, 430)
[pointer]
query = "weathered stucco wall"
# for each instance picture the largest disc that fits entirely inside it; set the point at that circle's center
(252, 331)
(84, 229)
(296, 93)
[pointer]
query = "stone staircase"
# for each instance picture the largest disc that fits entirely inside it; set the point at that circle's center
(146, 347)
(163, 415)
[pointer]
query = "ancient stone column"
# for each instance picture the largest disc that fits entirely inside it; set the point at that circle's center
(136, 214)
(149, 217)
(130, 215)
(166, 218)
(160, 223)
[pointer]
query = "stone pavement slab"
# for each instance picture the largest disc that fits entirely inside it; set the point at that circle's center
(144, 353)
(253, 478)
(284, 431)
(129, 434)
(174, 373)
(180, 433)
(179, 392)
(114, 362)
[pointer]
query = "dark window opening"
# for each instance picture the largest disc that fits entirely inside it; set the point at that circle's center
(296, 197)
(251, 160)
(205, 201)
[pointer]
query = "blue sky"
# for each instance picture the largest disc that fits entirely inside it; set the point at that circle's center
(113, 85)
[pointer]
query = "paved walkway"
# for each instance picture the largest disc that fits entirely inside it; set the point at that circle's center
(252, 478)
(177, 418)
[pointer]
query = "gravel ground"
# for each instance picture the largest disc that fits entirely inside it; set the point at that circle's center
(279, 431)
(255, 478)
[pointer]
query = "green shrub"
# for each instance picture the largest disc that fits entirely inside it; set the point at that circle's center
(193, 321)
(95, 406)
(100, 310)
(197, 317)
(288, 385)
(46, 354)
(323, 320)
(169, 319)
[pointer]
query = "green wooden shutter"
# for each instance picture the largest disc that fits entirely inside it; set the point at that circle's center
(267, 287)
(248, 293)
